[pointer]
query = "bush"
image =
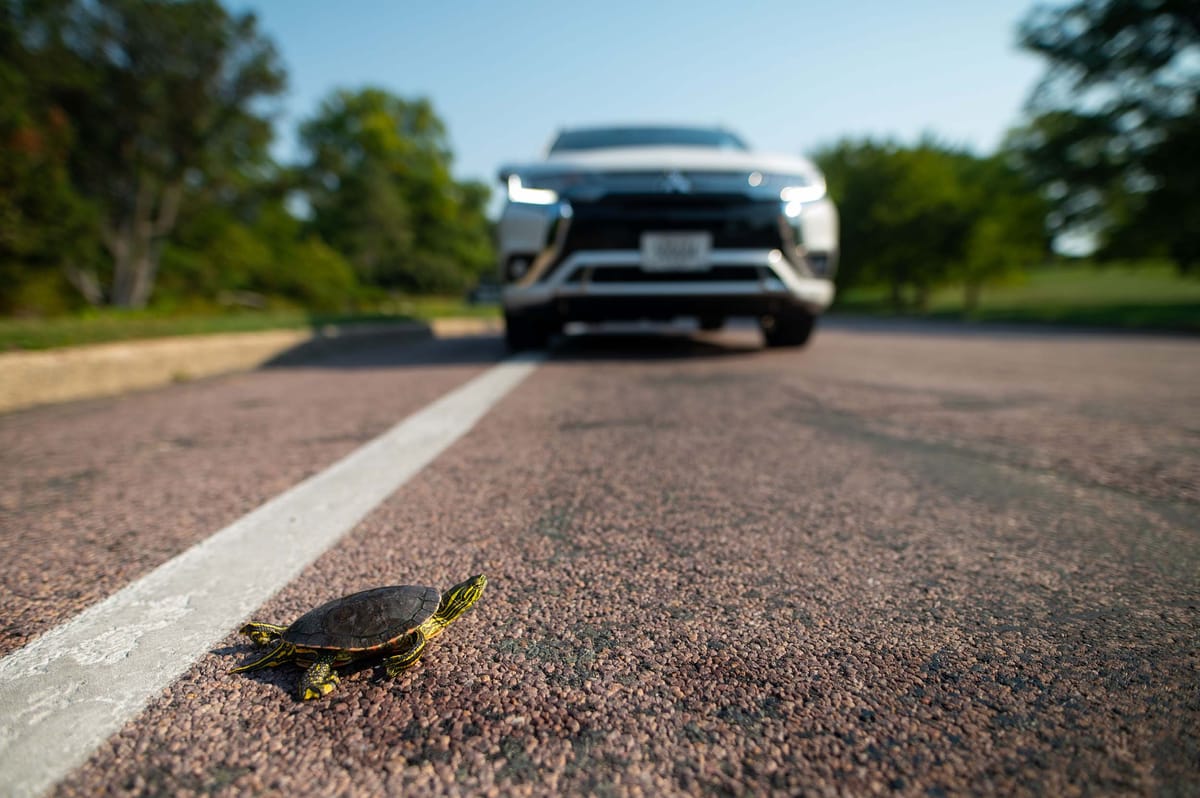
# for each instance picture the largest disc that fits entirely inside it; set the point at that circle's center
(314, 275)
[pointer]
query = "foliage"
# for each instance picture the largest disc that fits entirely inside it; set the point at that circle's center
(248, 263)
(914, 218)
(134, 157)
(1007, 231)
(160, 97)
(1116, 125)
(378, 181)
(44, 222)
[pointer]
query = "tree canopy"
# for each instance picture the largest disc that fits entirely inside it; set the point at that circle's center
(378, 180)
(1116, 126)
(135, 154)
(161, 98)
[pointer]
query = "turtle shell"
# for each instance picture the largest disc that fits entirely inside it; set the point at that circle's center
(364, 621)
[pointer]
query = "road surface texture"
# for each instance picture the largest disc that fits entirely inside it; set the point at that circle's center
(899, 561)
(93, 494)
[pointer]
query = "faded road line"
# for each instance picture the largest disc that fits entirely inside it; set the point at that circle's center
(66, 692)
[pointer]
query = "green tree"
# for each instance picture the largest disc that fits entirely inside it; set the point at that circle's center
(162, 96)
(253, 255)
(1115, 124)
(854, 173)
(905, 215)
(1008, 225)
(378, 181)
(301, 267)
(915, 218)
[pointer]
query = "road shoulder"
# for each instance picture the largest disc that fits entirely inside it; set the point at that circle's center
(28, 379)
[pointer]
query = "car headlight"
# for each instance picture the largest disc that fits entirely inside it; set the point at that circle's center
(536, 187)
(807, 192)
(531, 195)
(796, 190)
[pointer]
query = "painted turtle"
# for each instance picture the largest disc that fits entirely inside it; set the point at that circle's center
(395, 622)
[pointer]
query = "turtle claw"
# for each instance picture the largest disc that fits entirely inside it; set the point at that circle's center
(320, 679)
(321, 690)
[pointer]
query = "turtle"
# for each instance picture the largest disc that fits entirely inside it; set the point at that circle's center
(394, 622)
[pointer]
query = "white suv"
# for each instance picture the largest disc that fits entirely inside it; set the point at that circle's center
(663, 222)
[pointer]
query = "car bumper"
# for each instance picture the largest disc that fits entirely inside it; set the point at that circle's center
(593, 286)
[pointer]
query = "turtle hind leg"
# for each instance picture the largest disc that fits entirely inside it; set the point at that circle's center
(284, 652)
(407, 656)
(320, 678)
(264, 634)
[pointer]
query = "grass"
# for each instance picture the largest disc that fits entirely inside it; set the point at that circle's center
(1148, 297)
(100, 326)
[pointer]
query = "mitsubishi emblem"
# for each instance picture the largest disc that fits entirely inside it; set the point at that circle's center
(676, 183)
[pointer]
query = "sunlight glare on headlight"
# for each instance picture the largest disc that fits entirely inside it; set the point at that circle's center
(531, 196)
(798, 194)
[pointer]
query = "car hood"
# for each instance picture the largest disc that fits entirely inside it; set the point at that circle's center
(618, 159)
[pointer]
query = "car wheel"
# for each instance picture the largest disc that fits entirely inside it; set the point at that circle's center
(711, 323)
(789, 328)
(525, 332)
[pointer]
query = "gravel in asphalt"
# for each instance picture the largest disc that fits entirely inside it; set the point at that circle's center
(889, 563)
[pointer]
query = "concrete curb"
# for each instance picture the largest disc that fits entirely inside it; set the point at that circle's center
(28, 379)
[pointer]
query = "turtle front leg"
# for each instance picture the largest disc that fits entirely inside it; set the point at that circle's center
(283, 652)
(264, 634)
(320, 678)
(407, 655)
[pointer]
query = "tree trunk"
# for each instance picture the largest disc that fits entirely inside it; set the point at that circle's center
(1185, 254)
(971, 292)
(86, 283)
(136, 243)
(921, 299)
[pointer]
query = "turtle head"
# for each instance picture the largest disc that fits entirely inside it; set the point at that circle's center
(459, 598)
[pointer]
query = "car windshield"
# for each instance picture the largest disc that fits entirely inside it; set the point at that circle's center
(597, 138)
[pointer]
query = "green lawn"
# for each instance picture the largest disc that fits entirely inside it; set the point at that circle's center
(114, 325)
(1151, 297)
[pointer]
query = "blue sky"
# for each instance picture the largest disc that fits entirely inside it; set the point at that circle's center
(789, 76)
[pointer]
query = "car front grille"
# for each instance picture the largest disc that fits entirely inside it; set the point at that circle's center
(618, 221)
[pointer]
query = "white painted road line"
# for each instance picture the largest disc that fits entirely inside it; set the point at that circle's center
(63, 694)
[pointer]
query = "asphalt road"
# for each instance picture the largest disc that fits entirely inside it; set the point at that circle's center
(898, 561)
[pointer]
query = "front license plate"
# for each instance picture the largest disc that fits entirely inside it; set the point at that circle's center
(676, 251)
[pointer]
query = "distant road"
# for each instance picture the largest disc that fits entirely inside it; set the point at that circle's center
(898, 560)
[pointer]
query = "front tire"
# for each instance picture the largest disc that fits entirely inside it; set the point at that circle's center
(788, 328)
